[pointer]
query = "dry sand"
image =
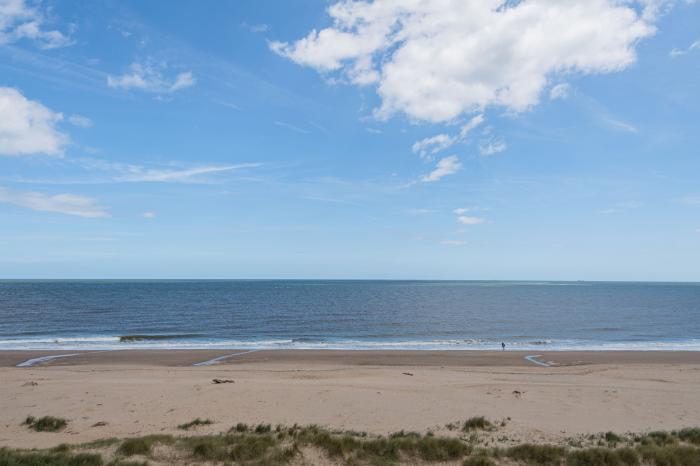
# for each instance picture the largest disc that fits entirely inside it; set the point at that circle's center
(144, 392)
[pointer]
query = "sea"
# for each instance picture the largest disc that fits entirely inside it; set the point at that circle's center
(348, 314)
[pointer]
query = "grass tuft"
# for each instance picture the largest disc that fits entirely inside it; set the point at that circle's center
(240, 427)
(690, 435)
(541, 455)
(35, 458)
(46, 423)
(263, 445)
(195, 423)
(659, 438)
(134, 446)
(670, 455)
(603, 457)
(612, 437)
(479, 460)
(476, 423)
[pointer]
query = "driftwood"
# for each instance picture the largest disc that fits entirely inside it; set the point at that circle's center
(222, 381)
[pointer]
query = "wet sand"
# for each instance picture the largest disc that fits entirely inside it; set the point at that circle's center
(180, 358)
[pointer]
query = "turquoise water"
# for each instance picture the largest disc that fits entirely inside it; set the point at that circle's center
(348, 314)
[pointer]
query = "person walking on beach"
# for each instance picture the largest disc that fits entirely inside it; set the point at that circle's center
(503, 345)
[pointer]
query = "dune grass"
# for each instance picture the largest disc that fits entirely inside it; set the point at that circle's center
(542, 455)
(265, 445)
(195, 423)
(46, 423)
(476, 423)
(48, 458)
(143, 445)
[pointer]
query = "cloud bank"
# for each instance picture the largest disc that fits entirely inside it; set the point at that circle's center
(435, 60)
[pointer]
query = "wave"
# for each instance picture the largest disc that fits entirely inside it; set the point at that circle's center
(132, 338)
(194, 341)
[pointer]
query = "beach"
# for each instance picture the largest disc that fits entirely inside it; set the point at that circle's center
(533, 396)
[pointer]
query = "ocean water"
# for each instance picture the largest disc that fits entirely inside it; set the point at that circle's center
(333, 314)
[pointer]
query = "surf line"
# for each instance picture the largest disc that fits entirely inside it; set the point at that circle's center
(43, 359)
(533, 358)
(211, 362)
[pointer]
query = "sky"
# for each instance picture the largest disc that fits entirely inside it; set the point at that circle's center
(385, 139)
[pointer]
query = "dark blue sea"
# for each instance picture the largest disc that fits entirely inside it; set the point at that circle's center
(321, 314)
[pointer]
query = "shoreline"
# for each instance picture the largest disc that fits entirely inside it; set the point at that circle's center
(454, 358)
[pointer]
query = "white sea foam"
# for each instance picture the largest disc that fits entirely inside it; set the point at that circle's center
(114, 343)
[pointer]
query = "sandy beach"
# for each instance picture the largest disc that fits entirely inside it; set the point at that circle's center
(547, 398)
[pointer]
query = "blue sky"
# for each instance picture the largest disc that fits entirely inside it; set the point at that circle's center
(417, 139)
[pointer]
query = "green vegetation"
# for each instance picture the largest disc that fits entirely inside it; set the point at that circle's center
(603, 457)
(479, 460)
(46, 423)
(195, 423)
(142, 445)
(541, 455)
(47, 458)
(476, 423)
(264, 445)
(690, 435)
(612, 437)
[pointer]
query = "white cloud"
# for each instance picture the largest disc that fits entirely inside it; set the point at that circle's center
(291, 126)
(466, 220)
(149, 77)
(427, 147)
(256, 27)
(28, 127)
(464, 210)
(69, 204)
(618, 124)
(419, 211)
(444, 167)
(137, 173)
(560, 91)
(470, 125)
(492, 147)
(80, 120)
(452, 242)
(678, 52)
(148, 215)
(435, 60)
(19, 21)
